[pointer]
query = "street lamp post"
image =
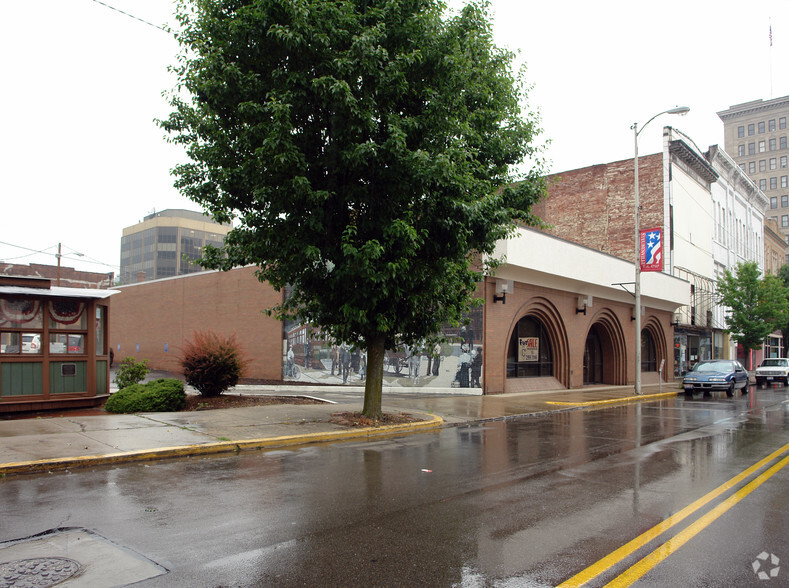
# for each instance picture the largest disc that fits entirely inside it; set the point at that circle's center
(678, 110)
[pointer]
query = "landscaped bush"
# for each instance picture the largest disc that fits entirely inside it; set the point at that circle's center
(212, 363)
(130, 371)
(156, 396)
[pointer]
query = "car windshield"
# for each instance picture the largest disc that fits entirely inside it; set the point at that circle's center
(775, 362)
(714, 366)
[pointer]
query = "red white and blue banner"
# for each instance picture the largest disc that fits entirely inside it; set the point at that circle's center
(651, 250)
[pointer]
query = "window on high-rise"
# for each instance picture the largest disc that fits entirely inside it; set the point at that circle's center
(772, 144)
(773, 183)
(762, 147)
(741, 150)
(785, 200)
(773, 201)
(783, 142)
(785, 220)
(771, 125)
(751, 148)
(782, 122)
(761, 127)
(783, 161)
(762, 184)
(784, 181)
(773, 163)
(751, 129)
(742, 167)
(741, 131)
(751, 167)
(762, 165)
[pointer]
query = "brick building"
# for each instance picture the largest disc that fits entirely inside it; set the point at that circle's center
(711, 215)
(66, 276)
(554, 317)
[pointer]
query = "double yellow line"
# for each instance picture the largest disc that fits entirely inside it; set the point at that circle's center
(644, 565)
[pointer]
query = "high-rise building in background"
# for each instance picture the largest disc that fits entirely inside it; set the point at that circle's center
(166, 243)
(755, 136)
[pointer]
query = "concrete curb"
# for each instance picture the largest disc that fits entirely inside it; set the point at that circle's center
(64, 463)
(625, 399)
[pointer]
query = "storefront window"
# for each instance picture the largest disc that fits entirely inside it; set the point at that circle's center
(20, 313)
(66, 343)
(648, 353)
(529, 353)
(67, 315)
(101, 319)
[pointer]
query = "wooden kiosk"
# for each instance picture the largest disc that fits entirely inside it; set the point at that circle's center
(53, 345)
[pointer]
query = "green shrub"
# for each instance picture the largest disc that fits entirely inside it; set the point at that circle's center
(212, 363)
(130, 371)
(156, 396)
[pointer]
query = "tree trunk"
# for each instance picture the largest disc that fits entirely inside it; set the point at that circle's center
(373, 384)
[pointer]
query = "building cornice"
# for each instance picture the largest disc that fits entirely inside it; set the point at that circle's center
(682, 151)
(753, 107)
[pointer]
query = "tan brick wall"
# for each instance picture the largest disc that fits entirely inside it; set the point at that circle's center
(556, 310)
(168, 312)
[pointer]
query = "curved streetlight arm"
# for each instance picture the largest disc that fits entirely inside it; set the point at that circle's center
(681, 110)
(637, 290)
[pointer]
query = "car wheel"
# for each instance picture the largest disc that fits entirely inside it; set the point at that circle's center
(730, 391)
(786, 381)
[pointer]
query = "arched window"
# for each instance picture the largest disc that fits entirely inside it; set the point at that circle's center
(529, 353)
(648, 352)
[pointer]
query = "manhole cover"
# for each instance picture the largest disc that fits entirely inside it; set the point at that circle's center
(36, 573)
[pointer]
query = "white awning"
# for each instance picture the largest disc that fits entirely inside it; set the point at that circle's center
(58, 292)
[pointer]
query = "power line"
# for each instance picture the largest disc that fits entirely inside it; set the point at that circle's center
(131, 16)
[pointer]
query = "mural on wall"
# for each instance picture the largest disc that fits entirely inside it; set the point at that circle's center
(454, 363)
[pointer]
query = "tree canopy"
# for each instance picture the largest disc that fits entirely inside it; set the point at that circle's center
(365, 150)
(757, 305)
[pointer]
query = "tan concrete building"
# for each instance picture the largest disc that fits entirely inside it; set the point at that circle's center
(166, 243)
(755, 136)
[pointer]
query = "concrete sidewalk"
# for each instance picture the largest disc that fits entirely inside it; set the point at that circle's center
(48, 443)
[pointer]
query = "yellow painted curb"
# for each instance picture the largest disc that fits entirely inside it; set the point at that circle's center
(62, 463)
(615, 400)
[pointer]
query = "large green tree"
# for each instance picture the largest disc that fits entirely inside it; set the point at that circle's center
(757, 305)
(365, 150)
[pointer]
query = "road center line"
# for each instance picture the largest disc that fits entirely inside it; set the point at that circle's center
(618, 555)
(643, 566)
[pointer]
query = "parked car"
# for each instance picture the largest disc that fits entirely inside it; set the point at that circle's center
(31, 343)
(773, 369)
(716, 374)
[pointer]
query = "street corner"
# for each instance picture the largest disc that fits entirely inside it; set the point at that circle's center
(72, 554)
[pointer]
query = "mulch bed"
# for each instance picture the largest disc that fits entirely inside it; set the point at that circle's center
(344, 419)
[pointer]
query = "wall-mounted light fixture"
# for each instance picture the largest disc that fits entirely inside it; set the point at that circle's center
(502, 288)
(584, 302)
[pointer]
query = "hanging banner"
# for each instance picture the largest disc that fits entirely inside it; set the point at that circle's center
(651, 250)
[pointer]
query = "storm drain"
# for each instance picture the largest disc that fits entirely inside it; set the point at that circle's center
(38, 572)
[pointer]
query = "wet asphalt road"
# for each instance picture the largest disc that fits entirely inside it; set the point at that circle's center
(522, 502)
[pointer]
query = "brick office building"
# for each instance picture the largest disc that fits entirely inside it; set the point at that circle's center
(554, 317)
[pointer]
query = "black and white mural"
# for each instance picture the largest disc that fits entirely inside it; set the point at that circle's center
(454, 363)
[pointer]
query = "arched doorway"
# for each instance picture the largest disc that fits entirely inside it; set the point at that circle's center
(654, 349)
(593, 357)
(530, 350)
(605, 352)
(648, 352)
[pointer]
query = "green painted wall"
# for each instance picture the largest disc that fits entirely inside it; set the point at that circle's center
(21, 379)
(59, 384)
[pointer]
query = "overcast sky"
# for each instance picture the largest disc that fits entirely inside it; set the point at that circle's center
(81, 158)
